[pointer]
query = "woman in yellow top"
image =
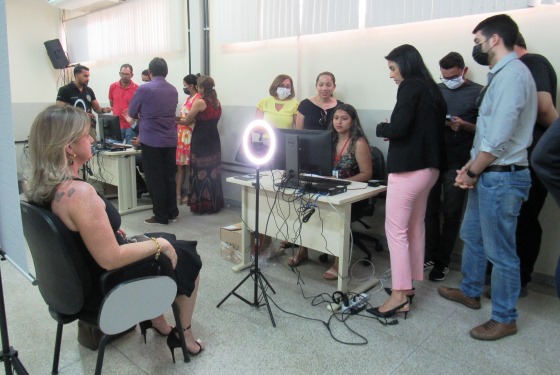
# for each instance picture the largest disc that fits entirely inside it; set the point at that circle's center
(280, 108)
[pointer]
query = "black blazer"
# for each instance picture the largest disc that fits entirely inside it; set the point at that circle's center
(416, 129)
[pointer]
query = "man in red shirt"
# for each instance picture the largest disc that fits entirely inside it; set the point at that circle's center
(120, 95)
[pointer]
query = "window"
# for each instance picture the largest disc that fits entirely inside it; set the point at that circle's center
(256, 20)
(135, 27)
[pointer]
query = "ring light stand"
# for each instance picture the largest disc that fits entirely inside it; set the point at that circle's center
(255, 272)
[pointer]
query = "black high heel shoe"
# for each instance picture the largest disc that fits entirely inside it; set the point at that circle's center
(410, 297)
(389, 313)
(146, 324)
(173, 342)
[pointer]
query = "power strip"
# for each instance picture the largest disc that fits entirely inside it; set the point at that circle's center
(355, 304)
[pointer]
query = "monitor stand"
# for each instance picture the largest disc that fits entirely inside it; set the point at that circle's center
(292, 160)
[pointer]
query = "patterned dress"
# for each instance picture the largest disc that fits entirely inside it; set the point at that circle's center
(347, 166)
(205, 192)
(184, 134)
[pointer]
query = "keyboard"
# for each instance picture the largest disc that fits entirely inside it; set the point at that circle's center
(121, 145)
(316, 185)
(323, 180)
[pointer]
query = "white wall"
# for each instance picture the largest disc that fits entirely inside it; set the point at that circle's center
(244, 71)
(32, 77)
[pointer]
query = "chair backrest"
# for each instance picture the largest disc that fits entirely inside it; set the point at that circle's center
(126, 304)
(378, 163)
(56, 260)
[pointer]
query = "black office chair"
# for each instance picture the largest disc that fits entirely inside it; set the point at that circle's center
(367, 208)
(64, 281)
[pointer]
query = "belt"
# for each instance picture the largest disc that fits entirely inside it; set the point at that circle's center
(505, 168)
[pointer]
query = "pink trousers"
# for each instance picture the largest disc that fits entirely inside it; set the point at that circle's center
(407, 196)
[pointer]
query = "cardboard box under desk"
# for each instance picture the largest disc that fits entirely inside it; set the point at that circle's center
(231, 234)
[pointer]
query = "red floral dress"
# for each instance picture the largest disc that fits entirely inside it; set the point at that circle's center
(184, 134)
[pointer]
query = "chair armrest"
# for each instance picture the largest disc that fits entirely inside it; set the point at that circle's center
(145, 267)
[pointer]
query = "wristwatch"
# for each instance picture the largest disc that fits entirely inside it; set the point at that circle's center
(471, 174)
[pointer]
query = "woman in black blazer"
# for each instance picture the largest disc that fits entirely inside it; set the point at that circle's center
(415, 157)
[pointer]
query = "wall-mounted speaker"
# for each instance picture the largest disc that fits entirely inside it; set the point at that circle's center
(57, 55)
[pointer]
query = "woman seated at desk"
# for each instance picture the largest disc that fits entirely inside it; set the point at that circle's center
(351, 161)
(59, 145)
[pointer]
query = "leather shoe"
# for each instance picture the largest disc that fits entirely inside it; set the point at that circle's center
(493, 330)
(456, 295)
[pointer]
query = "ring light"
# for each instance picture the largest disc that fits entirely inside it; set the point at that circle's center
(247, 136)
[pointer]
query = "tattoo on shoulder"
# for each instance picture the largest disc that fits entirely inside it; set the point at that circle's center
(71, 192)
(58, 196)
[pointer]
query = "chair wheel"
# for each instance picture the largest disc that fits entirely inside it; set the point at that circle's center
(324, 258)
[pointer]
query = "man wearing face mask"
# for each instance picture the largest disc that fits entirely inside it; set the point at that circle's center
(497, 178)
(460, 96)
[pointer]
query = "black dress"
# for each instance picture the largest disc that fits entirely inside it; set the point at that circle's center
(185, 273)
(205, 191)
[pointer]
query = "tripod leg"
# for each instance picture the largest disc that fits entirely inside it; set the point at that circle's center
(263, 290)
(267, 283)
(234, 289)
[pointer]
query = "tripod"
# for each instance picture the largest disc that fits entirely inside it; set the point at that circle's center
(9, 354)
(255, 272)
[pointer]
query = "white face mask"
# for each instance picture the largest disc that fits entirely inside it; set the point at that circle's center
(454, 83)
(283, 92)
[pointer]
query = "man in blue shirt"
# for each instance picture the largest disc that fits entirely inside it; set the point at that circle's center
(156, 102)
(497, 177)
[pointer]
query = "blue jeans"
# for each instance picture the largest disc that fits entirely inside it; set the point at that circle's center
(488, 233)
(127, 135)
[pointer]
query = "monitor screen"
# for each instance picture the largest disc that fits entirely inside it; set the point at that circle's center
(314, 153)
(109, 129)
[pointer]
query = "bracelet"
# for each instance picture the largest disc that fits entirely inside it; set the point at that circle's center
(158, 247)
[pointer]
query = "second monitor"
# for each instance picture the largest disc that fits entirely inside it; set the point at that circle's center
(109, 129)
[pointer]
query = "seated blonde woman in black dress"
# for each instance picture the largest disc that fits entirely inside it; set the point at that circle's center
(59, 145)
(351, 161)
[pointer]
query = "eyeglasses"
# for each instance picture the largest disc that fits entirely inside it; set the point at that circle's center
(125, 74)
(323, 119)
(446, 79)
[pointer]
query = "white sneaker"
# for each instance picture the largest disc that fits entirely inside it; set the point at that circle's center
(429, 264)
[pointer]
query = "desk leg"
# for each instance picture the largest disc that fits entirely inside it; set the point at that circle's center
(344, 262)
(344, 258)
(245, 247)
(127, 184)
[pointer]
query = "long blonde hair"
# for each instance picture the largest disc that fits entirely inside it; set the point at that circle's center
(53, 129)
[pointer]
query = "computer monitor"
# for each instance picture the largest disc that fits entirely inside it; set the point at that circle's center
(303, 151)
(109, 129)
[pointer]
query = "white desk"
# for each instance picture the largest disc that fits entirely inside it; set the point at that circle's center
(331, 219)
(119, 168)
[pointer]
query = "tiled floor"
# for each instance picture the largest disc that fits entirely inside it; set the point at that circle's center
(240, 339)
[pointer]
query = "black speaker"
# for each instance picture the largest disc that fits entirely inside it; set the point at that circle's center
(56, 54)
